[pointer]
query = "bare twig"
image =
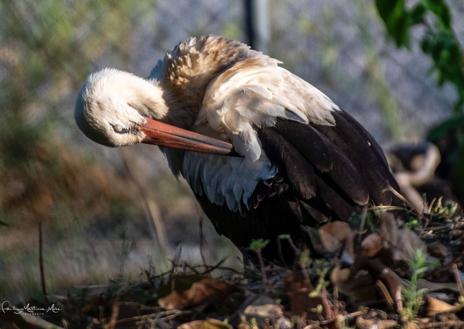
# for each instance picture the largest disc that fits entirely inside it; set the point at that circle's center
(362, 223)
(328, 307)
(390, 280)
(192, 268)
(345, 317)
(444, 324)
(402, 197)
(207, 269)
(202, 241)
(114, 317)
(202, 236)
(165, 315)
(149, 206)
(174, 265)
(386, 294)
(41, 262)
(457, 277)
(263, 268)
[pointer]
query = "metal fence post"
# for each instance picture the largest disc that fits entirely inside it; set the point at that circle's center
(257, 30)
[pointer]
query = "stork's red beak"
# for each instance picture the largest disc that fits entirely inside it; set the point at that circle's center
(163, 134)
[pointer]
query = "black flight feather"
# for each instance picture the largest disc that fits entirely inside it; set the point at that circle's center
(292, 165)
(364, 152)
(300, 172)
(327, 158)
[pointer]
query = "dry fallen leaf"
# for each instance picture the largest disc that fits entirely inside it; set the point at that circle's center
(388, 282)
(262, 315)
(245, 324)
(338, 236)
(403, 242)
(372, 244)
(205, 324)
(438, 249)
(267, 311)
(204, 292)
(436, 306)
(340, 275)
(335, 235)
(129, 309)
(362, 323)
(410, 325)
(298, 289)
(357, 287)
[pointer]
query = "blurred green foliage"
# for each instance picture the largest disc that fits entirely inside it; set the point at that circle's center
(439, 41)
(388, 105)
(46, 50)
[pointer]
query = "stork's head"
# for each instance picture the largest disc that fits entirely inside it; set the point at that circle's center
(117, 108)
(112, 106)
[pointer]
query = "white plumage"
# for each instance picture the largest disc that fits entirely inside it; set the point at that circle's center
(225, 181)
(254, 93)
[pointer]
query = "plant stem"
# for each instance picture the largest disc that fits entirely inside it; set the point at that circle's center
(41, 265)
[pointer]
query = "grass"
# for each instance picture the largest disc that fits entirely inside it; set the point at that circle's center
(413, 297)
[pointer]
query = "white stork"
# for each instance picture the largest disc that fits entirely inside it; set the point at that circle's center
(265, 152)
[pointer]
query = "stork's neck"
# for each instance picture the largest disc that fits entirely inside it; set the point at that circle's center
(187, 70)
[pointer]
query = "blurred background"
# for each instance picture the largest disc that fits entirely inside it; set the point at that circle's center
(85, 202)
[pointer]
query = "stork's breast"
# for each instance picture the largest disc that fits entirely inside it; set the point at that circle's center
(225, 180)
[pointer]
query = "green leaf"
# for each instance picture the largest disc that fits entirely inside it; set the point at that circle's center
(396, 19)
(284, 237)
(258, 244)
(440, 131)
(417, 14)
(439, 41)
(441, 11)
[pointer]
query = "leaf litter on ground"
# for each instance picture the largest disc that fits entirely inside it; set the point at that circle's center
(378, 272)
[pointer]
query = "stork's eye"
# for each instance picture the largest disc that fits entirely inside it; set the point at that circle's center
(124, 130)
